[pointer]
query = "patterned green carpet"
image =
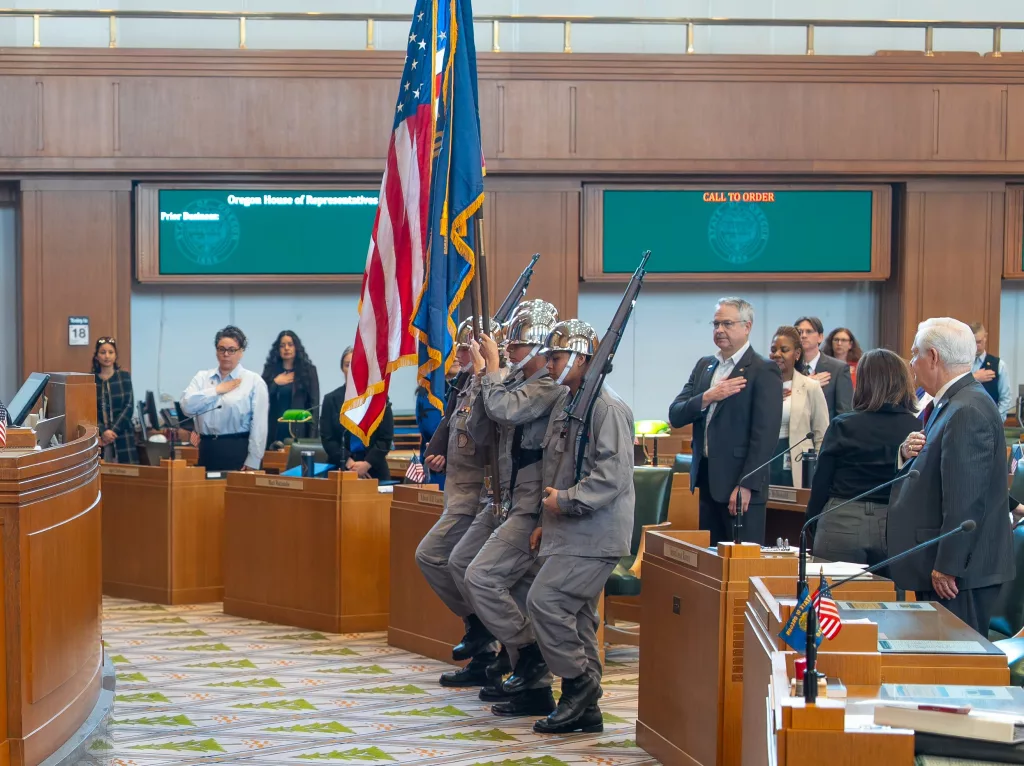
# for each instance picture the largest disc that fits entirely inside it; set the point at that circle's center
(197, 686)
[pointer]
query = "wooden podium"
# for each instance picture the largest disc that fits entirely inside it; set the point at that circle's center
(779, 729)
(307, 552)
(163, 533)
(418, 621)
(51, 666)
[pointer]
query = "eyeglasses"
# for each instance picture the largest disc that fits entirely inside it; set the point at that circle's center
(228, 351)
(727, 324)
(840, 340)
(802, 333)
(111, 341)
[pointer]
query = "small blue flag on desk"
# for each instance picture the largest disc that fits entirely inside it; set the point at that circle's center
(795, 631)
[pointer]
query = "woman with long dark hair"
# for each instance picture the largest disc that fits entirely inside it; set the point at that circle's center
(858, 453)
(842, 345)
(293, 384)
(115, 402)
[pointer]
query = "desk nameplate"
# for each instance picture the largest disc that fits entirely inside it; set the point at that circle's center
(278, 483)
(430, 498)
(682, 555)
(117, 470)
(781, 494)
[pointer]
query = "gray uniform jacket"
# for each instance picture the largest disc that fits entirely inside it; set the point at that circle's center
(596, 515)
(510, 404)
(466, 461)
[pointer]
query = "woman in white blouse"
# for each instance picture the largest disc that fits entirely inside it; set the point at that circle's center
(804, 409)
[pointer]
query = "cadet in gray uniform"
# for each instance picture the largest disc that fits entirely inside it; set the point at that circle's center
(505, 564)
(587, 527)
(464, 496)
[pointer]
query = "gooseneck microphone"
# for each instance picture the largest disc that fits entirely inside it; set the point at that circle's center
(184, 421)
(811, 676)
(737, 525)
(801, 581)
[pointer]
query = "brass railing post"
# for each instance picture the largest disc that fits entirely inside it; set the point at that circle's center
(35, 30)
(567, 45)
(689, 37)
(929, 33)
(369, 35)
(997, 41)
(241, 32)
(495, 44)
(113, 32)
(810, 39)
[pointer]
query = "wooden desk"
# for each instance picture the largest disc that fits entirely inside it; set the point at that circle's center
(785, 513)
(418, 621)
(163, 533)
(307, 552)
(50, 653)
(398, 461)
(275, 461)
(189, 454)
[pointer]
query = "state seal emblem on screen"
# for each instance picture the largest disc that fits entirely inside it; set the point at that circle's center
(738, 232)
(209, 233)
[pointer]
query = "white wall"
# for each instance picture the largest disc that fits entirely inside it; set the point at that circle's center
(173, 331)
(1011, 332)
(670, 329)
(10, 329)
(624, 39)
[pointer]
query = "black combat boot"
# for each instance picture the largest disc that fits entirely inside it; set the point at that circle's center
(530, 668)
(530, 702)
(475, 641)
(496, 672)
(474, 674)
(579, 696)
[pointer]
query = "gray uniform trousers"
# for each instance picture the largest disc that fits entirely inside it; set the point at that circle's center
(563, 609)
(433, 555)
(498, 582)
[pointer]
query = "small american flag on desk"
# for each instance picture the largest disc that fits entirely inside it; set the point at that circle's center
(3, 425)
(414, 473)
(828, 613)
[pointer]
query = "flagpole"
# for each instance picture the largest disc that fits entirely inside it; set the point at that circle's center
(485, 324)
(811, 673)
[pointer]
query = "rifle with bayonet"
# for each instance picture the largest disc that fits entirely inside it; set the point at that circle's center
(438, 444)
(577, 428)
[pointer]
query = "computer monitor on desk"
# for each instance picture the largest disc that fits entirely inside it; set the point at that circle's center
(46, 430)
(23, 402)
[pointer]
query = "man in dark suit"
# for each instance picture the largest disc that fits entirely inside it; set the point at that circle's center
(734, 401)
(832, 374)
(960, 456)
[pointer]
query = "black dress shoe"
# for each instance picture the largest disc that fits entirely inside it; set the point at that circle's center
(476, 639)
(531, 702)
(578, 696)
(496, 671)
(590, 722)
(530, 668)
(474, 674)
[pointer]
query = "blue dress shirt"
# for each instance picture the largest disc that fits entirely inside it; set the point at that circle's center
(244, 410)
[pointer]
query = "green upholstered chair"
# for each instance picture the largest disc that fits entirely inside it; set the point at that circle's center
(299, 446)
(653, 487)
(682, 463)
(1008, 611)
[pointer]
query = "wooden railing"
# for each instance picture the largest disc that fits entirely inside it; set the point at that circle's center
(686, 25)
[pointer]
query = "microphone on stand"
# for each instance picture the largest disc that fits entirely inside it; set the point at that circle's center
(811, 676)
(737, 526)
(170, 439)
(801, 581)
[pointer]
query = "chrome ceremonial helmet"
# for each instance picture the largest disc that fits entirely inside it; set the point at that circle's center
(531, 324)
(575, 336)
(465, 332)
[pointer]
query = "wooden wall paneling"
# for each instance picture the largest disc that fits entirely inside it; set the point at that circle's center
(525, 216)
(971, 122)
(1013, 242)
(77, 117)
(1014, 119)
(536, 119)
(20, 131)
(75, 261)
(950, 258)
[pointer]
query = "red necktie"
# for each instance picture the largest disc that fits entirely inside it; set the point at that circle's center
(926, 415)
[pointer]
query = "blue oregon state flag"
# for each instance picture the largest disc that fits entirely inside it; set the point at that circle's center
(456, 194)
(794, 632)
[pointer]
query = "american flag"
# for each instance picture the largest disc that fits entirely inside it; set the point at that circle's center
(393, 278)
(414, 473)
(3, 425)
(829, 621)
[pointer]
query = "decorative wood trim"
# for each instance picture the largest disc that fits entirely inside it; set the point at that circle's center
(592, 266)
(147, 240)
(1013, 233)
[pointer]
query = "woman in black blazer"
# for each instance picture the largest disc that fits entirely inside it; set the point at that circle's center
(343, 448)
(859, 452)
(292, 384)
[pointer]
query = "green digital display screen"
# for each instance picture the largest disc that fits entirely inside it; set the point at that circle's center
(265, 231)
(738, 231)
